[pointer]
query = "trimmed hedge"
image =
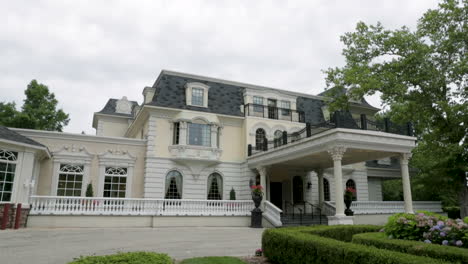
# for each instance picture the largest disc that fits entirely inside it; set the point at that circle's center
(303, 245)
(126, 258)
(343, 232)
(380, 240)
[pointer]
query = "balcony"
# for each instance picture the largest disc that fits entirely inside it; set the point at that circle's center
(272, 112)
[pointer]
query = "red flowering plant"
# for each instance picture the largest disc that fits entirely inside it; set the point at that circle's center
(350, 194)
(257, 190)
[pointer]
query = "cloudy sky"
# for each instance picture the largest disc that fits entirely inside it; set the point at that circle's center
(89, 51)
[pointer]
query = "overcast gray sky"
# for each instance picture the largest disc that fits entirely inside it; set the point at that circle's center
(89, 51)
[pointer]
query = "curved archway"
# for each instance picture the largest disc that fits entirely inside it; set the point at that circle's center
(174, 184)
(215, 187)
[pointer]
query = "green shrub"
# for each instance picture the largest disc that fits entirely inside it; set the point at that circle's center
(301, 246)
(465, 219)
(379, 240)
(428, 227)
(343, 232)
(213, 260)
(411, 226)
(126, 258)
(452, 211)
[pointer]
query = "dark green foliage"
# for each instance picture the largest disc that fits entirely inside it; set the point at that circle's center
(380, 240)
(213, 260)
(422, 77)
(343, 232)
(126, 258)
(39, 110)
(301, 246)
(89, 190)
(232, 194)
(452, 211)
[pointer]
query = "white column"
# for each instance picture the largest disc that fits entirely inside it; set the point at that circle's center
(214, 136)
(263, 174)
(183, 133)
(404, 158)
(337, 154)
(320, 186)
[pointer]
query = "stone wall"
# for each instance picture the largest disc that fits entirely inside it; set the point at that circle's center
(12, 216)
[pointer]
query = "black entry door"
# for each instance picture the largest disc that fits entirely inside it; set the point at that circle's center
(276, 194)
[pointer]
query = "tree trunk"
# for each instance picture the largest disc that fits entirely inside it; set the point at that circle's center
(464, 199)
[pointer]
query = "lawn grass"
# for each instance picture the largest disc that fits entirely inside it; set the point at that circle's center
(213, 260)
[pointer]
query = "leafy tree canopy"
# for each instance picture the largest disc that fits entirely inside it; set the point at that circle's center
(422, 76)
(39, 110)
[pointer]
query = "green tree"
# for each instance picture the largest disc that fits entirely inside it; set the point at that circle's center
(422, 76)
(89, 190)
(39, 110)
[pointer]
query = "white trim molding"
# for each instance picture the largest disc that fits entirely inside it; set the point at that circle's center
(116, 158)
(74, 155)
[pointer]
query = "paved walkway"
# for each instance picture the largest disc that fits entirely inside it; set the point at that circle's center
(59, 246)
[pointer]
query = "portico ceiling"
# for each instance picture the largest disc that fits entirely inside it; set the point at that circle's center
(312, 153)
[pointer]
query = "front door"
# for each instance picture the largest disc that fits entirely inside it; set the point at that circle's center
(276, 194)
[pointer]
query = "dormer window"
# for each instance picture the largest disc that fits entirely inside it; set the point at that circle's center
(196, 94)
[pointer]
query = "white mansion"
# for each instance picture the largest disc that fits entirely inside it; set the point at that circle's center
(194, 142)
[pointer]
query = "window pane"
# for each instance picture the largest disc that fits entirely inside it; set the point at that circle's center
(197, 96)
(108, 179)
(6, 197)
(69, 193)
(11, 168)
(9, 177)
(77, 193)
(78, 178)
(3, 166)
(61, 192)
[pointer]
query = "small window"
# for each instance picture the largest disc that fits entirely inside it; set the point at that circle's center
(197, 96)
(278, 138)
(199, 134)
(326, 189)
(285, 108)
(115, 182)
(173, 185)
(7, 174)
(258, 104)
(175, 138)
(215, 187)
(70, 180)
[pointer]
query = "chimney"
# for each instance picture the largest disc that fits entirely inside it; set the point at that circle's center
(148, 93)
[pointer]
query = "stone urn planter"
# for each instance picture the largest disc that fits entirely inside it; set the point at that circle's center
(349, 195)
(257, 196)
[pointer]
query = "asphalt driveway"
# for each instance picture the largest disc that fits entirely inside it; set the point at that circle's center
(59, 246)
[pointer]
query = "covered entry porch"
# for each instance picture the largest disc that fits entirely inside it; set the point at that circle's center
(285, 169)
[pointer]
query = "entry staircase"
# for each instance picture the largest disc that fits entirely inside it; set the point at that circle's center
(302, 214)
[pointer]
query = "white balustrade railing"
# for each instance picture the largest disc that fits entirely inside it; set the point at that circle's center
(385, 207)
(391, 207)
(60, 205)
(272, 213)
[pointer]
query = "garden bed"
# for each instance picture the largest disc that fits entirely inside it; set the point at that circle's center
(380, 240)
(330, 245)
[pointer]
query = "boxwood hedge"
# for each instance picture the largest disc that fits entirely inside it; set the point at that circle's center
(380, 240)
(126, 258)
(302, 245)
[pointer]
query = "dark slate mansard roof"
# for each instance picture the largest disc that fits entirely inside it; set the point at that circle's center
(109, 108)
(222, 98)
(10, 135)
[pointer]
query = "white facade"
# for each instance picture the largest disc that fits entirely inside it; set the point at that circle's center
(199, 136)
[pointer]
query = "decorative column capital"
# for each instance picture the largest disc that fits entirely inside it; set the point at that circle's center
(262, 170)
(404, 158)
(337, 152)
(319, 171)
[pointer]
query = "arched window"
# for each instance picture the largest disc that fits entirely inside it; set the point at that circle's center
(70, 180)
(351, 184)
(215, 187)
(115, 182)
(7, 174)
(278, 138)
(298, 189)
(326, 189)
(173, 185)
(259, 138)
